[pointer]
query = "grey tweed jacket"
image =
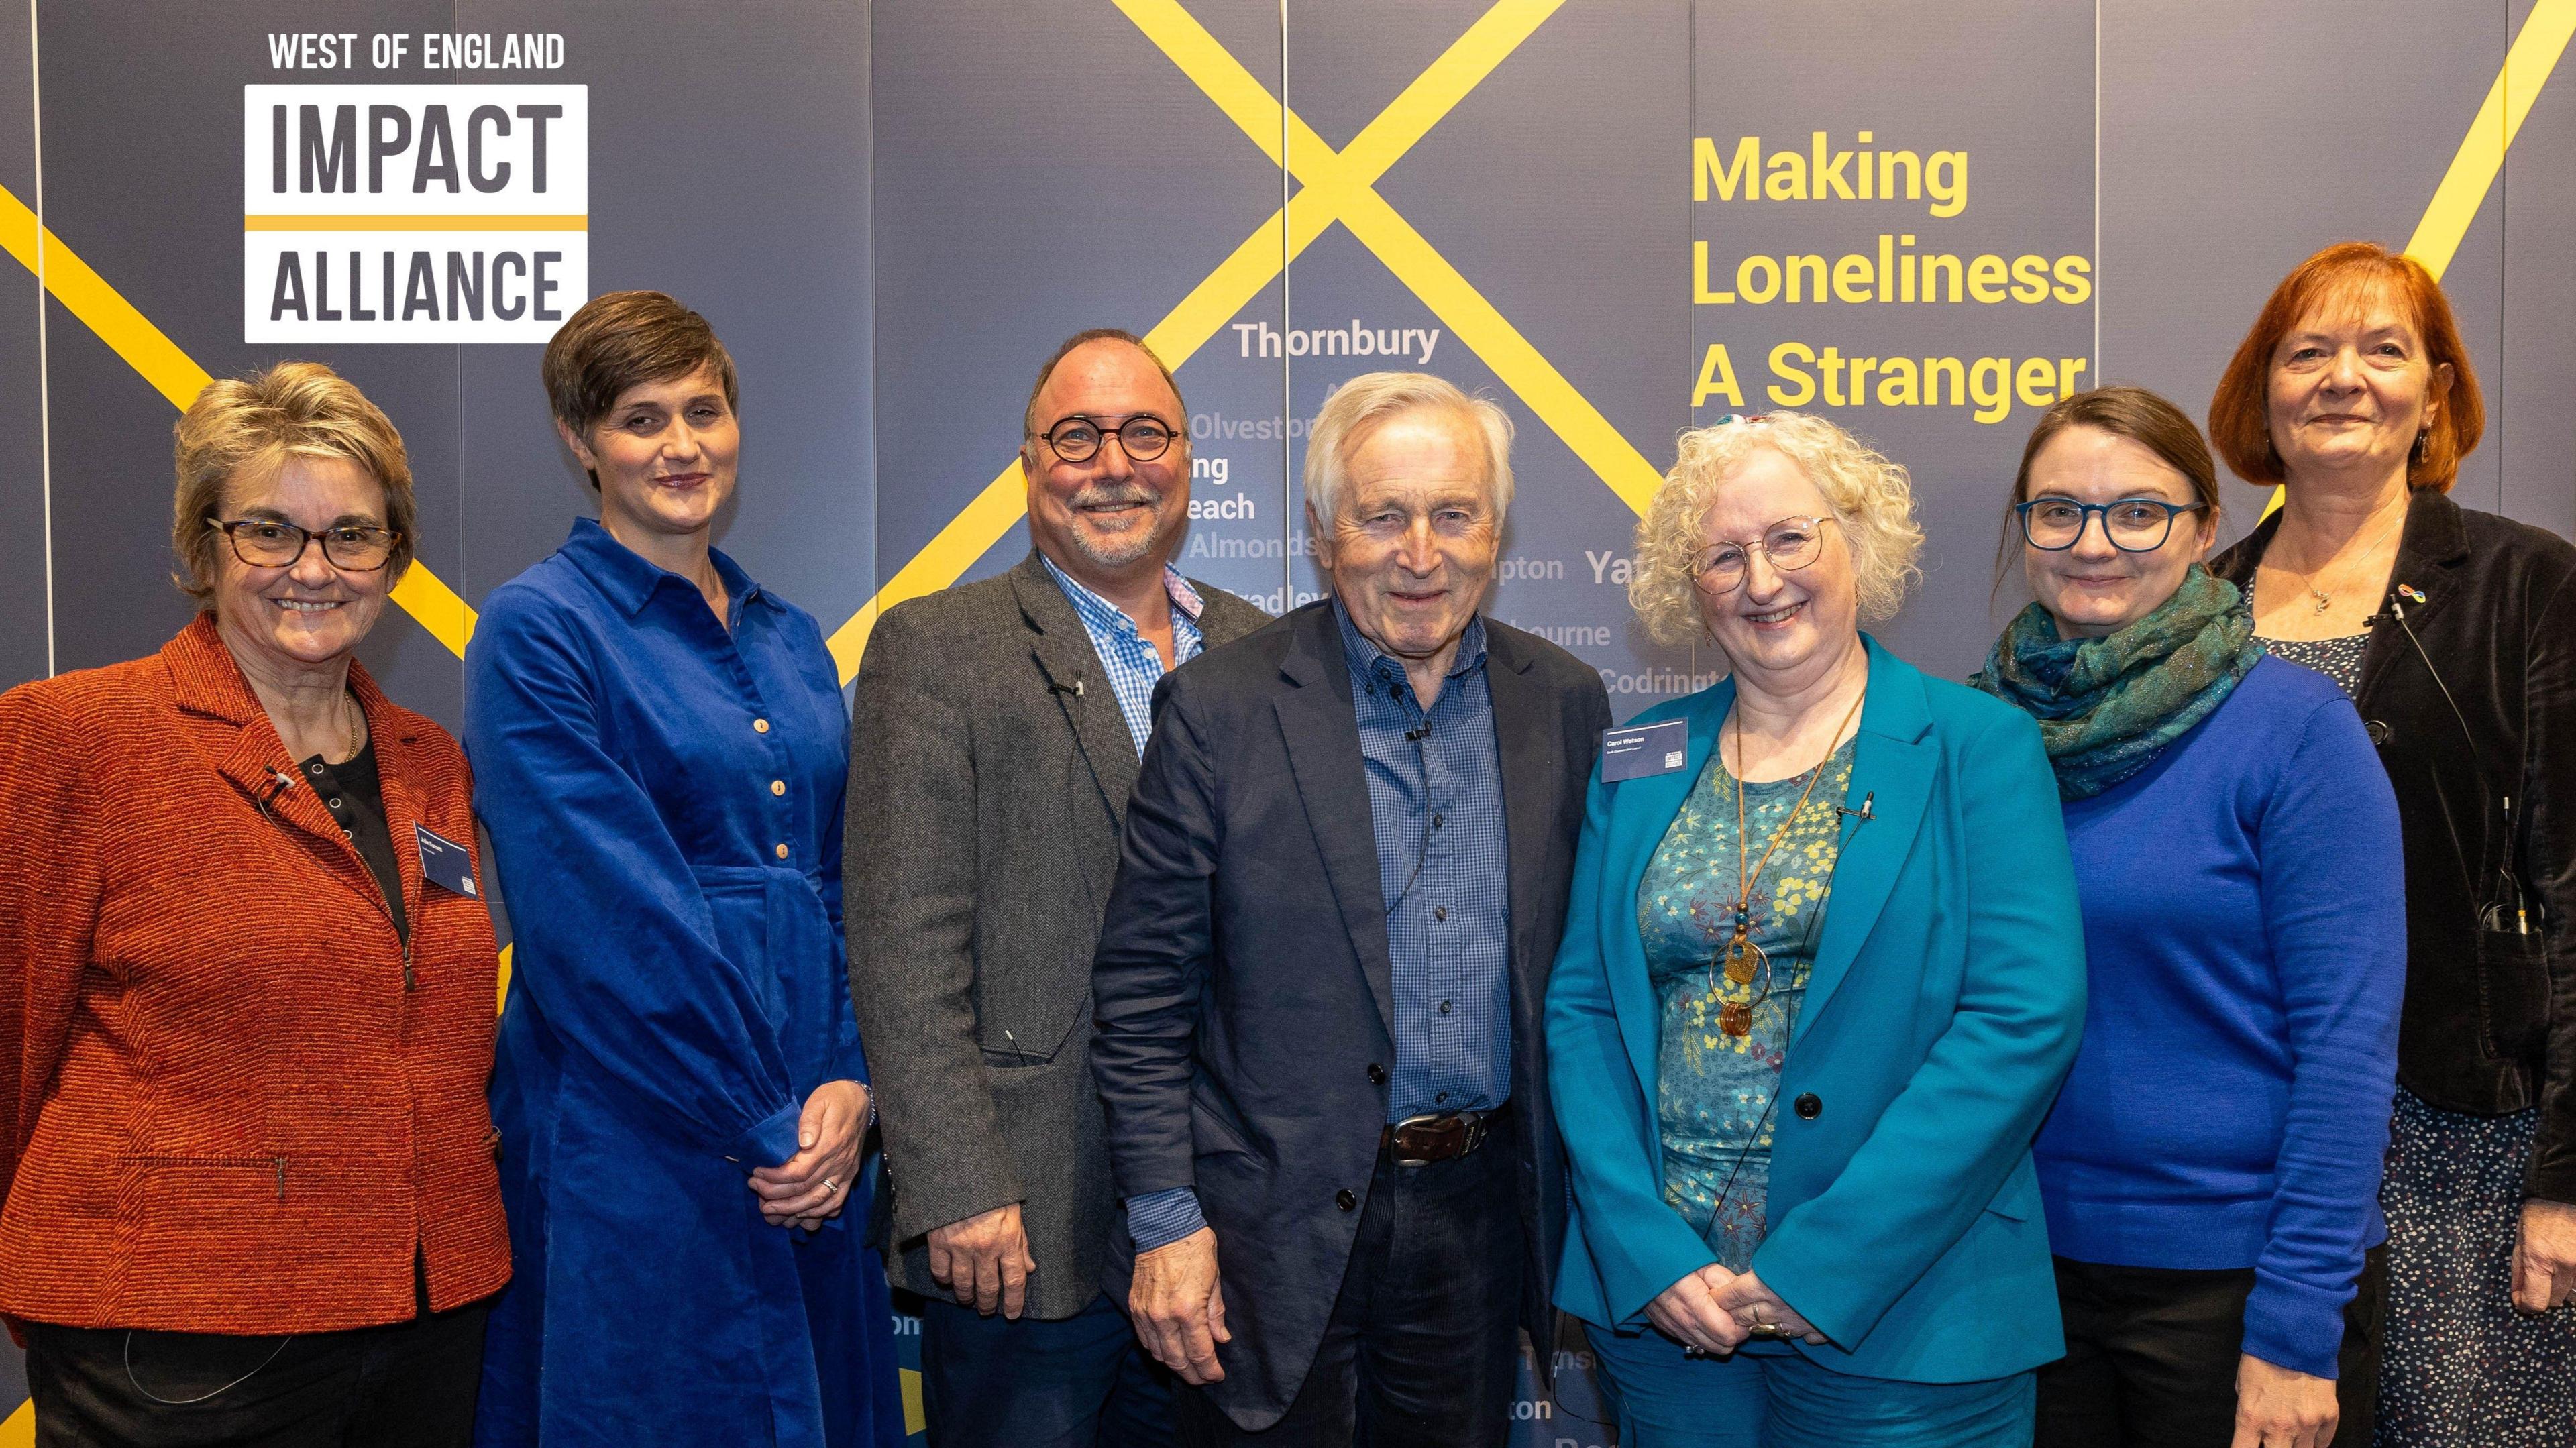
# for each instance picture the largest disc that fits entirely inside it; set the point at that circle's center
(989, 774)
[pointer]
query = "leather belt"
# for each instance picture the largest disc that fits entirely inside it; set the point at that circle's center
(1422, 1140)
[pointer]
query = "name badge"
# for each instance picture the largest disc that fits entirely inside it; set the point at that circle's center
(445, 863)
(1641, 750)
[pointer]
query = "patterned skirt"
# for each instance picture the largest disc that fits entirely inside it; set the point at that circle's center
(2462, 1369)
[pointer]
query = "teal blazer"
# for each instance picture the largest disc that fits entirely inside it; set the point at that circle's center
(1943, 1011)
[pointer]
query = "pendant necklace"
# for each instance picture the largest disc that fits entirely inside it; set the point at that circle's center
(2325, 600)
(1741, 958)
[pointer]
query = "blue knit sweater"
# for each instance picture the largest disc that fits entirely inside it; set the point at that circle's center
(2245, 930)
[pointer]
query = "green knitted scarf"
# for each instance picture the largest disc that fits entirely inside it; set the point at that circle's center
(2107, 707)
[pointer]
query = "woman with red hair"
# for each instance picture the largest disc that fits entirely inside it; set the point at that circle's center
(2454, 631)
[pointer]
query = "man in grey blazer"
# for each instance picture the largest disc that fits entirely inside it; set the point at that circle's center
(995, 737)
(1319, 984)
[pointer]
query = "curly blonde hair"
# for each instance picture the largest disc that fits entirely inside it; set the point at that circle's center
(1871, 498)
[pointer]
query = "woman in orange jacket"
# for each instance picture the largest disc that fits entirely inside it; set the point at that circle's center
(246, 983)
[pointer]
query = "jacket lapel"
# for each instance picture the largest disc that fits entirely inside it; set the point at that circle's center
(1893, 764)
(1072, 670)
(2429, 550)
(405, 808)
(1320, 726)
(205, 681)
(1531, 753)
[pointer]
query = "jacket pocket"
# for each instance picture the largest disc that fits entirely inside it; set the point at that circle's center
(2513, 993)
(186, 1167)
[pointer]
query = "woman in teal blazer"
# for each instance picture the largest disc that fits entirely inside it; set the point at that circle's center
(1798, 1116)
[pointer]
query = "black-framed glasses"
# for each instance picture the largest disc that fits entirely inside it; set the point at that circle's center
(2134, 525)
(1077, 439)
(1790, 544)
(267, 543)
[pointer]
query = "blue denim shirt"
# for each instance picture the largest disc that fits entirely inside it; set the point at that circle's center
(1435, 784)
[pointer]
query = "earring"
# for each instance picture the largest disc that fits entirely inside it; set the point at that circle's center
(2419, 443)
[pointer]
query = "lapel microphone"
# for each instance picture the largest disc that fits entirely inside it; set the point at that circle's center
(1867, 810)
(1075, 688)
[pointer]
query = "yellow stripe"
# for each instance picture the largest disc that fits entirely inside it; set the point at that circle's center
(2481, 155)
(415, 223)
(1330, 180)
(20, 1430)
(87, 296)
(176, 376)
(1493, 338)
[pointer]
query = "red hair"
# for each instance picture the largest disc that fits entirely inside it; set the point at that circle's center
(2240, 412)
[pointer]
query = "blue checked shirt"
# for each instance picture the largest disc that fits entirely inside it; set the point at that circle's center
(1444, 870)
(1133, 664)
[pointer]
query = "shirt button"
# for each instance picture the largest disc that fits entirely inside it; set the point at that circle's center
(1376, 1074)
(782, 852)
(1807, 1106)
(778, 786)
(1444, 1008)
(759, 726)
(335, 801)
(1344, 1200)
(1439, 912)
(316, 769)
(1439, 820)
(1439, 1097)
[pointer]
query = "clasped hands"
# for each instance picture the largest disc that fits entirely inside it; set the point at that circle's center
(810, 1188)
(1715, 1311)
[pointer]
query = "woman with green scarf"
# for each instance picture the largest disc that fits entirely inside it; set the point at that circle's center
(2211, 1169)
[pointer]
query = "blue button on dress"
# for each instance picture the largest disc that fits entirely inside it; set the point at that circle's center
(664, 798)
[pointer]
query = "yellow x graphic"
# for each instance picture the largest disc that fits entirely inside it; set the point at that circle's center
(1334, 186)
(1337, 187)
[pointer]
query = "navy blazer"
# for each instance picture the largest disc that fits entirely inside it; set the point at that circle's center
(1244, 989)
(1944, 1009)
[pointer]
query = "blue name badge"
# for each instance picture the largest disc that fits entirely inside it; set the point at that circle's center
(445, 863)
(1641, 750)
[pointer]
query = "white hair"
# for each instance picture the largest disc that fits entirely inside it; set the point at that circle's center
(1372, 398)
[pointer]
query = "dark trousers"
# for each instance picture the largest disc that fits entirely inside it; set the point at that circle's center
(1423, 1347)
(1080, 1382)
(403, 1385)
(2151, 1357)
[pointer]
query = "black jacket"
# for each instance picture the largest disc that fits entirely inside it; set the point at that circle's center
(2489, 1024)
(1243, 982)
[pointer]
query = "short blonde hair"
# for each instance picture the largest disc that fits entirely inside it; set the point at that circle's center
(1372, 398)
(1871, 498)
(247, 426)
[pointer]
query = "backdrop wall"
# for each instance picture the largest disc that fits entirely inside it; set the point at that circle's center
(1617, 219)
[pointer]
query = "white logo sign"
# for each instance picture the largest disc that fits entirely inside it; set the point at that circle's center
(414, 213)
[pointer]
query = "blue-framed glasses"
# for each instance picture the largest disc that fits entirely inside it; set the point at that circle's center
(2134, 525)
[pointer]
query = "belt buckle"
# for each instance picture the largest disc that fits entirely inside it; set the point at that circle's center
(1470, 1135)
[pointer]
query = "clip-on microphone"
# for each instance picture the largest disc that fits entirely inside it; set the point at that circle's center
(1868, 802)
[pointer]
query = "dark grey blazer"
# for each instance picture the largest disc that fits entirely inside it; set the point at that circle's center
(1244, 984)
(989, 773)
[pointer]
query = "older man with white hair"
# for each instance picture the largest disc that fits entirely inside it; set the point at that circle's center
(1318, 990)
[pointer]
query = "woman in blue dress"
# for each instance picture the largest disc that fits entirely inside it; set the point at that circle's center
(659, 748)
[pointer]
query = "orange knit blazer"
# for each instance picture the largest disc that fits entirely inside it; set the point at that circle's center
(230, 1099)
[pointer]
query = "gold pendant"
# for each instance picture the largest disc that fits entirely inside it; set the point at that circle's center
(1739, 958)
(1736, 1018)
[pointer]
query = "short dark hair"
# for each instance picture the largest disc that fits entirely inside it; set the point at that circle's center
(1084, 338)
(2142, 417)
(624, 339)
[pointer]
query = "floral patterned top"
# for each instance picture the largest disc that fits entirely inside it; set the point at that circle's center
(1716, 1091)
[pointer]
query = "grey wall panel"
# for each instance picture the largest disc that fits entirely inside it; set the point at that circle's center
(2532, 428)
(2238, 139)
